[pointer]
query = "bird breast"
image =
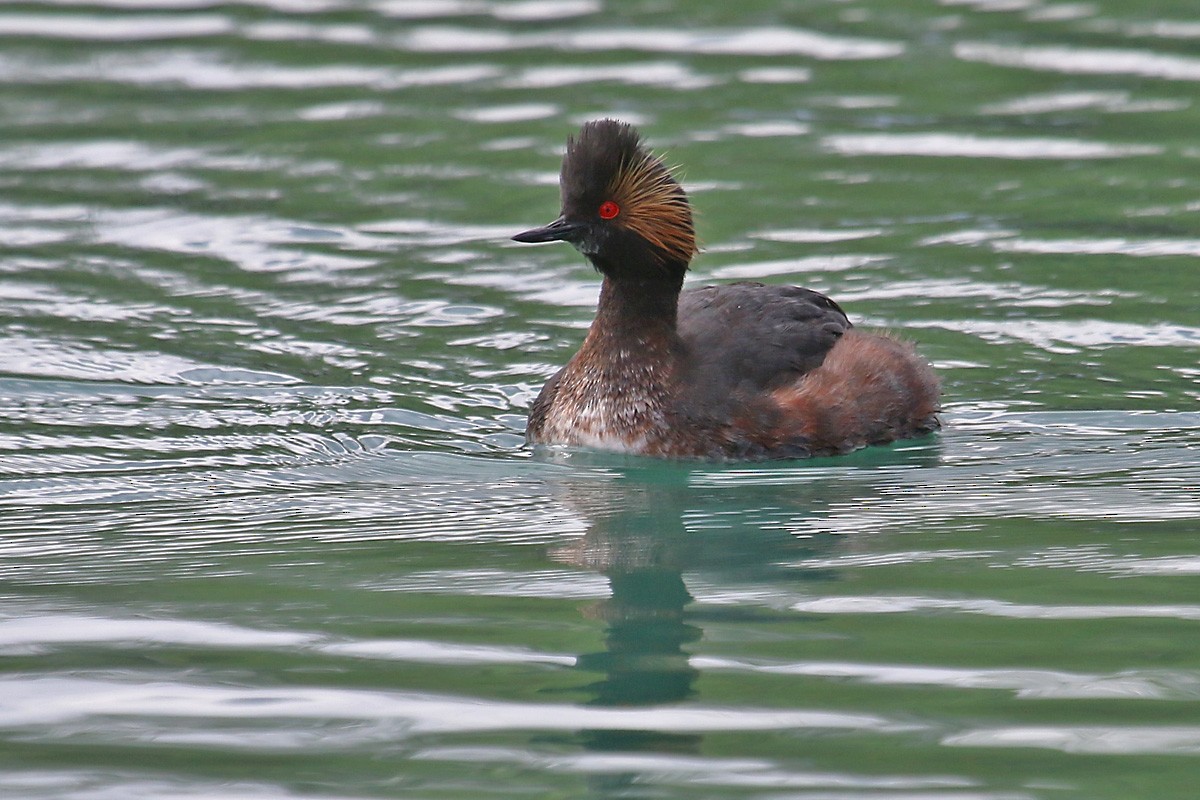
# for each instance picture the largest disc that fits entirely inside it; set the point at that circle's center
(614, 404)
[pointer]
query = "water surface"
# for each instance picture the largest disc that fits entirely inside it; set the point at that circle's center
(268, 526)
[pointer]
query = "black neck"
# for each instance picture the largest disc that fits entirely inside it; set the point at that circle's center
(636, 305)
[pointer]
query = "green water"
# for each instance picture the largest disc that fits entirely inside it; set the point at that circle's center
(268, 527)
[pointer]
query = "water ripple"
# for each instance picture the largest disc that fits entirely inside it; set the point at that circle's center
(55, 701)
(1010, 241)
(38, 632)
(1158, 29)
(775, 41)
(518, 11)
(694, 771)
(816, 236)
(991, 608)
(1066, 336)
(822, 264)
(250, 242)
(1088, 739)
(1024, 683)
(1057, 102)
(644, 73)
(82, 784)
(116, 29)
(1113, 246)
(1083, 61)
(953, 145)
(34, 632)
(264, 496)
(214, 71)
(46, 358)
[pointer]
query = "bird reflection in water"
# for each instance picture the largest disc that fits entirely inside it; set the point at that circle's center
(652, 523)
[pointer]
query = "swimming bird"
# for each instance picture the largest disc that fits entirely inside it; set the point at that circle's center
(741, 371)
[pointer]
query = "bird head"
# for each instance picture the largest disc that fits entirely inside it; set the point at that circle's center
(621, 206)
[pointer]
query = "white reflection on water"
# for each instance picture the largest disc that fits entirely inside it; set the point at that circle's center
(765, 128)
(212, 70)
(975, 146)
(1083, 61)
(1159, 28)
(352, 109)
(788, 266)
(774, 41)
(817, 236)
(775, 75)
(517, 112)
(706, 771)
(35, 632)
(1024, 683)
(1054, 102)
(647, 73)
(101, 154)
(47, 358)
(1089, 739)
(1107, 246)
(34, 300)
(114, 784)
(114, 28)
(288, 6)
(1010, 293)
(251, 242)
(1010, 241)
(1063, 336)
(54, 701)
(517, 10)
(293, 31)
(531, 10)
(1094, 559)
(895, 604)
(444, 652)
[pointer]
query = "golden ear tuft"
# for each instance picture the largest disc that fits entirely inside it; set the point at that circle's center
(655, 207)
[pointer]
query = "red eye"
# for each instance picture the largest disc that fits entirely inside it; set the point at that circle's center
(609, 209)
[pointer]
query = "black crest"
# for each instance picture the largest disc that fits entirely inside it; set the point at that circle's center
(603, 150)
(607, 161)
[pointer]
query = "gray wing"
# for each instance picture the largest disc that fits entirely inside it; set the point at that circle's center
(751, 336)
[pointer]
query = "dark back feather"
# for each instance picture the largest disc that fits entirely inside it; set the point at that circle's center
(754, 337)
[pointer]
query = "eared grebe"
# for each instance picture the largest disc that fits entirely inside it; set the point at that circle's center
(740, 371)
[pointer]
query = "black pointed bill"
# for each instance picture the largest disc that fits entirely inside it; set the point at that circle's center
(558, 231)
